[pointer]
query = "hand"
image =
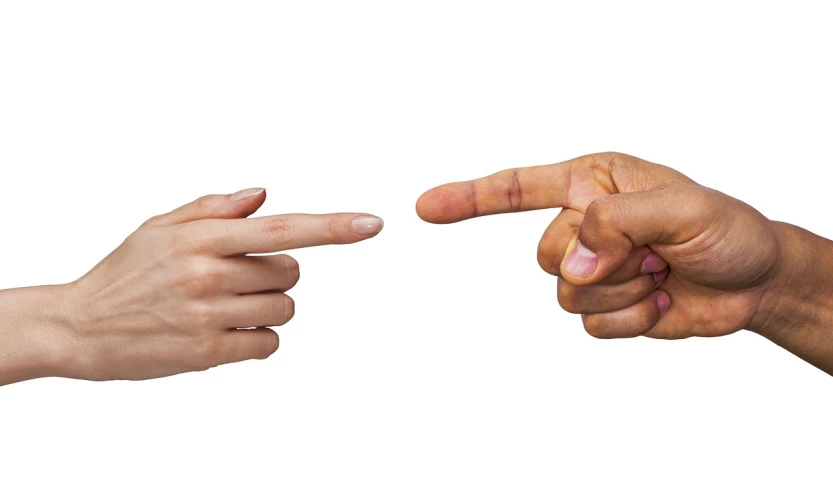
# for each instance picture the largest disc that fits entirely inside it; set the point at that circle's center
(180, 294)
(623, 221)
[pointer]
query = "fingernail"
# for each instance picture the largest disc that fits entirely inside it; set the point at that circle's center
(663, 302)
(661, 275)
(581, 262)
(246, 193)
(367, 225)
(652, 263)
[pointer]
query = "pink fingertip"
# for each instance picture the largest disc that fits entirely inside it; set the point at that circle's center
(652, 263)
(661, 275)
(663, 302)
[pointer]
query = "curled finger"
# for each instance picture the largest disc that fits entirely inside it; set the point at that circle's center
(632, 321)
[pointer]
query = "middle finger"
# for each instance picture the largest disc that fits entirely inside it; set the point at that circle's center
(604, 298)
(255, 274)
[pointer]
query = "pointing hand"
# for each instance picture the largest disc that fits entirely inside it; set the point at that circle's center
(180, 294)
(639, 248)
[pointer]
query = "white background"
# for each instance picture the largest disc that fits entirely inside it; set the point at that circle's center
(430, 356)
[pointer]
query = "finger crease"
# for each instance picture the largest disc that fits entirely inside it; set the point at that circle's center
(569, 183)
(514, 192)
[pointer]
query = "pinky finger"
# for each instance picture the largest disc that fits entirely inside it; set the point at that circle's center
(633, 321)
(242, 345)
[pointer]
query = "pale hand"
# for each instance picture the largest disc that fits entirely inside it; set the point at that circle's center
(180, 294)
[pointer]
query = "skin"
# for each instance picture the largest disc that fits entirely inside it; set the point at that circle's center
(641, 249)
(180, 294)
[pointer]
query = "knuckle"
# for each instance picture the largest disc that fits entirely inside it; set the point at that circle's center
(596, 326)
(205, 203)
(279, 229)
(279, 310)
(603, 211)
(206, 352)
(569, 296)
(288, 308)
(695, 200)
(608, 160)
(291, 269)
(512, 189)
(612, 157)
(709, 201)
(202, 277)
(550, 255)
(549, 263)
(150, 222)
(645, 286)
(334, 229)
(270, 345)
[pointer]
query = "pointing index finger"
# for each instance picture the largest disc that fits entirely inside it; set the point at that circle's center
(573, 184)
(508, 191)
(288, 231)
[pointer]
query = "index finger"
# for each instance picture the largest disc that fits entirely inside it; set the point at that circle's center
(574, 184)
(287, 231)
(508, 191)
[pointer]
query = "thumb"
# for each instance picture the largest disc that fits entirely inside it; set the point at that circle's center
(238, 205)
(616, 224)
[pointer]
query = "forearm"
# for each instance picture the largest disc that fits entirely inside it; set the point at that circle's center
(796, 312)
(33, 332)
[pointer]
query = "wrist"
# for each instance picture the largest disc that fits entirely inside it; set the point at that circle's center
(36, 332)
(796, 308)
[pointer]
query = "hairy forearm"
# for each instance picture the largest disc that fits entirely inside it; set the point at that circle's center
(33, 332)
(796, 311)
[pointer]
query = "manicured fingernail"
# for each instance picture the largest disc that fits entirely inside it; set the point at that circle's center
(661, 275)
(581, 262)
(652, 263)
(663, 302)
(246, 193)
(367, 225)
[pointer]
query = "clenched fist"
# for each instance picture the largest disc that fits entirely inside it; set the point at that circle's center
(641, 249)
(180, 294)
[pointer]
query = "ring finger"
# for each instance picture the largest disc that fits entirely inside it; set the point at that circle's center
(256, 310)
(632, 321)
(603, 298)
